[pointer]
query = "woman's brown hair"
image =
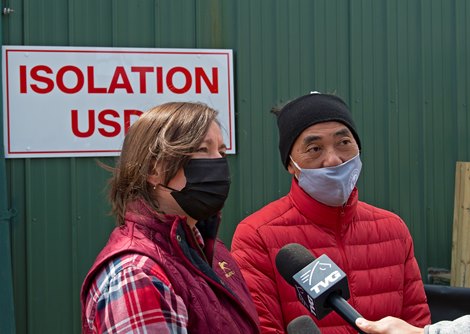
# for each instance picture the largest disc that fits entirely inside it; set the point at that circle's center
(161, 140)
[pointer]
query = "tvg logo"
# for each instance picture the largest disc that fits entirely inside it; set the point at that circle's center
(331, 278)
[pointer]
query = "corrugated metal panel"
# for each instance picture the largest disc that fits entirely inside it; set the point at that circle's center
(7, 305)
(61, 226)
(403, 66)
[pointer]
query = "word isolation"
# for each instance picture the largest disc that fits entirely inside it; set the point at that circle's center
(70, 79)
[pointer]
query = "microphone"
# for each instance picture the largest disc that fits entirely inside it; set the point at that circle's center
(302, 325)
(320, 284)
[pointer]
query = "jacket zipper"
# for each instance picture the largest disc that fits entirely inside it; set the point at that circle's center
(339, 227)
(342, 252)
(221, 286)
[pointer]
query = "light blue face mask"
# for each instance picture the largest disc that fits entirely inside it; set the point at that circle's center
(331, 185)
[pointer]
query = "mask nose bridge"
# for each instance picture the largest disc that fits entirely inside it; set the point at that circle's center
(331, 158)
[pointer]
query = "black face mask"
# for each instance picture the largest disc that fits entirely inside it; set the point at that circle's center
(207, 186)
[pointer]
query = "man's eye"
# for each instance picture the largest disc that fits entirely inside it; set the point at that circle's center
(314, 149)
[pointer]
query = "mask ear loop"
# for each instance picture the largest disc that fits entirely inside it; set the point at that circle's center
(296, 165)
(166, 187)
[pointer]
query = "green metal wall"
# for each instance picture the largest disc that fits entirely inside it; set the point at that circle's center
(403, 66)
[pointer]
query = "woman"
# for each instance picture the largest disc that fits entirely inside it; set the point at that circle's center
(163, 270)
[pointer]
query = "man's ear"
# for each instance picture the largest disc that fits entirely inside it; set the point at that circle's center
(291, 168)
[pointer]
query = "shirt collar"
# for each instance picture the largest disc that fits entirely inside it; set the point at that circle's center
(198, 236)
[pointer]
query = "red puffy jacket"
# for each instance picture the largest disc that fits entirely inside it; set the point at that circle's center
(372, 246)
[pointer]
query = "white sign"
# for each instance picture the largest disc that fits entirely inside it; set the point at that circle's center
(80, 101)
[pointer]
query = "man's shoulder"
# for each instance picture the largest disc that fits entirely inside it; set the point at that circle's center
(373, 212)
(270, 213)
(382, 219)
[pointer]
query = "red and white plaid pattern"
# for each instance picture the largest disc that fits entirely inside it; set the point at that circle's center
(133, 295)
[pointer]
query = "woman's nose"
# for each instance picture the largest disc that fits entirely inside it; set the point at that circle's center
(215, 155)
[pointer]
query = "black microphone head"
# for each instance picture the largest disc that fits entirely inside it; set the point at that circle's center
(302, 325)
(291, 259)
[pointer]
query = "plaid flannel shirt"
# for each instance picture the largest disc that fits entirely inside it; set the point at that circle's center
(133, 295)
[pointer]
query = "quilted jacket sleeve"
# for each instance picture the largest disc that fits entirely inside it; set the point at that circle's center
(415, 307)
(255, 262)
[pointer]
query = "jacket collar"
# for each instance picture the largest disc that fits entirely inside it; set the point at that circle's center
(320, 213)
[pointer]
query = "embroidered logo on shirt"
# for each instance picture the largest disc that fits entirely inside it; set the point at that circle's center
(228, 272)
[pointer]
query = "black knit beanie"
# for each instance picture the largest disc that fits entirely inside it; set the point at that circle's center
(306, 111)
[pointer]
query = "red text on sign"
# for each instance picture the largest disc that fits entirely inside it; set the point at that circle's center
(107, 122)
(69, 79)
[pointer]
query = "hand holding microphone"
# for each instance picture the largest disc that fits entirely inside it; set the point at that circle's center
(320, 284)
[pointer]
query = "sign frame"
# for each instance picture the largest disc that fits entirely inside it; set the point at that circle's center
(54, 96)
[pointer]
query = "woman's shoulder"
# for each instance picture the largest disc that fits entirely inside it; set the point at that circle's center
(127, 266)
(131, 279)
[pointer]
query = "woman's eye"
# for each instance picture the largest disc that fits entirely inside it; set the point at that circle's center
(202, 149)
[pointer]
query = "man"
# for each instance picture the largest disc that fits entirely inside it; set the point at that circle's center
(320, 148)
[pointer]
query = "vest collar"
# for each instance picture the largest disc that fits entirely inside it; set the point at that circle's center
(148, 221)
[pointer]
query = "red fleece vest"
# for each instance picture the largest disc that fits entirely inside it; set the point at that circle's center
(216, 296)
